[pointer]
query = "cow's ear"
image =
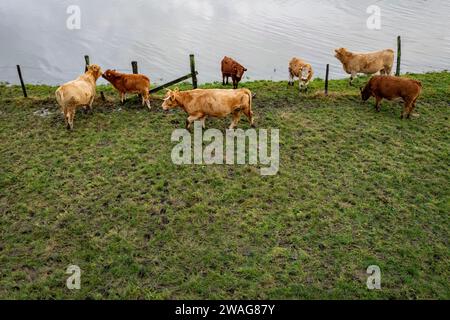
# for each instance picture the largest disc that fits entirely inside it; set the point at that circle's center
(245, 69)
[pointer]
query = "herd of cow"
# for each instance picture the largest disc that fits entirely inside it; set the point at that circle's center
(203, 103)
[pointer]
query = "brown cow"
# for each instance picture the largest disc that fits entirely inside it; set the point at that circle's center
(203, 103)
(302, 70)
(79, 93)
(129, 83)
(367, 63)
(389, 87)
(231, 68)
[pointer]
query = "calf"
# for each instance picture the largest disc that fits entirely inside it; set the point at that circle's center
(367, 63)
(388, 87)
(202, 103)
(129, 83)
(302, 70)
(231, 68)
(78, 93)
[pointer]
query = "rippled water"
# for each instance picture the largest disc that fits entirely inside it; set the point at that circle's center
(261, 34)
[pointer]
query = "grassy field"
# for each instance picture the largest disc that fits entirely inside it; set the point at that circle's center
(355, 188)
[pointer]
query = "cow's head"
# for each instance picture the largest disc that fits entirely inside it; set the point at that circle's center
(341, 53)
(305, 75)
(109, 74)
(239, 71)
(95, 70)
(366, 93)
(171, 100)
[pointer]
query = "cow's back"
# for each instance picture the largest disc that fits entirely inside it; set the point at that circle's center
(370, 62)
(77, 92)
(215, 102)
(228, 65)
(134, 82)
(391, 87)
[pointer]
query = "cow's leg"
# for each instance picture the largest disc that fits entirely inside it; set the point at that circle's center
(352, 77)
(388, 70)
(236, 118)
(249, 114)
(203, 120)
(291, 79)
(223, 79)
(378, 103)
(228, 80)
(235, 83)
(409, 106)
(405, 109)
(146, 99)
(122, 97)
(91, 103)
(66, 118)
(191, 119)
(413, 106)
(70, 118)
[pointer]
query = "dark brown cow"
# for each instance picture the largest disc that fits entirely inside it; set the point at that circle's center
(389, 87)
(231, 68)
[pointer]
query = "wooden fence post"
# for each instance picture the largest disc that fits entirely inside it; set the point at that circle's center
(24, 90)
(399, 55)
(86, 59)
(134, 66)
(193, 72)
(326, 79)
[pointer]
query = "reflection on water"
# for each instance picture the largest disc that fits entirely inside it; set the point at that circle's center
(261, 34)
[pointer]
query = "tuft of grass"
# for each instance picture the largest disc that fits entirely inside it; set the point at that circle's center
(355, 188)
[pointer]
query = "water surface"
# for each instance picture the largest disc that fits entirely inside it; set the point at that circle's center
(262, 34)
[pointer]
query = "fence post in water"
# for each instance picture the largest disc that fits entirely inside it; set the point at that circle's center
(326, 79)
(24, 90)
(399, 55)
(193, 72)
(86, 59)
(134, 65)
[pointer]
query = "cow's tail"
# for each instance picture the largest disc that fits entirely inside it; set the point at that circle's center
(59, 97)
(419, 83)
(249, 108)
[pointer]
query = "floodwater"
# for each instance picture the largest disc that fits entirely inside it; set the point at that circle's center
(262, 34)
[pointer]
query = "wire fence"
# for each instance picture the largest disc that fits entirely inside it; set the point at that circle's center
(133, 68)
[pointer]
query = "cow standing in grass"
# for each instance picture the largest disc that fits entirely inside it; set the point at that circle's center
(388, 87)
(233, 69)
(202, 103)
(79, 93)
(303, 71)
(367, 63)
(130, 83)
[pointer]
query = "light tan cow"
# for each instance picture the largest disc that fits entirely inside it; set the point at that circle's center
(367, 63)
(202, 103)
(302, 70)
(78, 93)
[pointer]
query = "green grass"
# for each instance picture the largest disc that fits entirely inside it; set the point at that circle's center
(355, 188)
